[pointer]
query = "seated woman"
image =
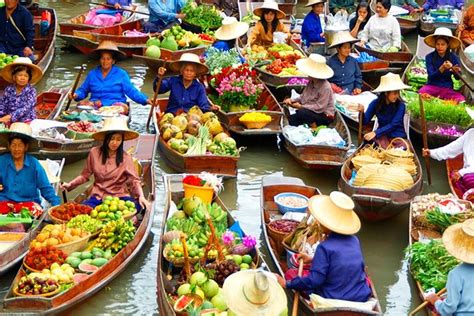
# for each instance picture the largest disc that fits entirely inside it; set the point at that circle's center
(347, 76)
(441, 64)
(466, 28)
(357, 23)
(316, 102)
(113, 168)
(382, 31)
(337, 268)
(22, 178)
(270, 15)
(389, 110)
(185, 90)
(311, 30)
(17, 104)
(230, 30)
(107, 83)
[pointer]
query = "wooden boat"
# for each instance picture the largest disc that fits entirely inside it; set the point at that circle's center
(321, 156)
(221, 165)
(174, 193)
(144, 151)
(452, 165)
(397, 59)
(408, 23)
(44, 45)
(287, 6)
(49, 103)
(467, 71)
(77, 22)
(271, 186)
(428, 28)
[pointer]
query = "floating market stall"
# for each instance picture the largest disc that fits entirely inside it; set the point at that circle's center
(397, 59)
(443, 17)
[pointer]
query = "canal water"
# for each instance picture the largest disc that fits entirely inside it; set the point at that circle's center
(134, 290)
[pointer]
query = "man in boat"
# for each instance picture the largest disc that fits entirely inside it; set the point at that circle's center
(17, 30)
(163, 14)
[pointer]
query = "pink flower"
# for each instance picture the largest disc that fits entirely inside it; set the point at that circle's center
(228, 238)
(249, 241)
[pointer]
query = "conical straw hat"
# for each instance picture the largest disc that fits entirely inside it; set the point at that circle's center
(231, 29)
(341, 38)
(313, 2)
(459, 241)
(390, 82)
(269, 5)
(118, 125)
(189, 58)
(315, 66)
(19, 128)
(36, 72)
(108, 46)
(454, 42)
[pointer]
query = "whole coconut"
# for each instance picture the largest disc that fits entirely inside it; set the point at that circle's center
(195, 110)
(193, 127)
(219, 138)
(193, 117)
(214, 126)
(181, 122)
(207, 116)
(164, 126)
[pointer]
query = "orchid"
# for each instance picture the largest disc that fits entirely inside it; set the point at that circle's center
(249, 241)
(228, 238)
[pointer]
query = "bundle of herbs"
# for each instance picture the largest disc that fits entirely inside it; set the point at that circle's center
(443, 220)
(205, 16)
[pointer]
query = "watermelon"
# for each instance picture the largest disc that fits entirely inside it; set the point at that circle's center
(182, 303)
(88, 268)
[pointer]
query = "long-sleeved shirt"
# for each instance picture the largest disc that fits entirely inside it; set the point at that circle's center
(311, 29)
(164, 12)
(382, 33)
(434, 4)
(10, 39)
(401, 3)
(337, 271)
(460, 289)
(464, 144)
(318, 97)
(21, 106)
(435, 77)
(352, 24)
(123, 3)
(259, 37)
(347, 75)
(467, 35)
(390, 119)
(110, 179)
(26, 184)
(115, 87)
(182, 98)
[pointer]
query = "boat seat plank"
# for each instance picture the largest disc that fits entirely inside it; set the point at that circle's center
(274, 180)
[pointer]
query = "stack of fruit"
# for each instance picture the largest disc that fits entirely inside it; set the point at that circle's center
(83, 260)
(6, 59)
(66, 211)
(54, 235)
(113, 208)
(115, 235)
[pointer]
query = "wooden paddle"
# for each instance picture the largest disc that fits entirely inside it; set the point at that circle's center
(419, 308)
(76, 83)
(361, 121)
(296, 299)
(424, 134)
(123, 9)
(463, 80)
(64, 195)
(155, 95)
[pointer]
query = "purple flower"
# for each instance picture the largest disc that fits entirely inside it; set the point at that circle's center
(249, 241)
(228, 238)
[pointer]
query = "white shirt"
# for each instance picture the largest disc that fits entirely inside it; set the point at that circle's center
(462, 145)
(382, 33)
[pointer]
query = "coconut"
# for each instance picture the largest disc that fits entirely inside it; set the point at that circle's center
(214, 126)
(180, 121)
(190, 204)
(167, 118)
(193, 127)
(164, 126)
(193, 117)
(172, 132)
(208, 115)
(219, 138)
(195, 110)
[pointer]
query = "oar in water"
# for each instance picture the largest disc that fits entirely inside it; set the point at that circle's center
(76, 83)
(424, 134)
(123, 9)
(152, 109)
(296, 299)
(419, 308)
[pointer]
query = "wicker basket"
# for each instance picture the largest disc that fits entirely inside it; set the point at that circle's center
(363, 160)
(255, 125)
(277, 238)
(57, 220)
(28, 267)
(74, 246)
(392, 153)
(178, 262)
(15, 291)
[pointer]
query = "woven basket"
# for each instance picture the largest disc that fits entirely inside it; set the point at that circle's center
(28, 267)
(178, 262)
(392, 152)
(371, 150)
(363, 160)
(74, 246)
(57, 220)
(277, 238)
(15, 291)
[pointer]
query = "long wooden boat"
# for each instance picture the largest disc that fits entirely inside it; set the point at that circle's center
(408, 23)
(49, 103)
(144, 151)
(428, 28)
(396, 59)
(271, 186)
(77, 22)
(467, 71)
(321, 156)
(221, 165)
(452, 165)
(174, 193)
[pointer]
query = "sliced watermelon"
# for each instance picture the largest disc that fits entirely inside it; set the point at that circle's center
(87, 268)
(182, 303)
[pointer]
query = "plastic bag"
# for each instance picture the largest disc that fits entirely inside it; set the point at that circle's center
(279, 37)
(298, 135)
(337, 22)
(329, 136)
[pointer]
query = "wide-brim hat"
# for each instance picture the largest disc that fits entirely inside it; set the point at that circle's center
(189, 58)
(231, 29)
(315, 66)
(470, 112)
(459, 241)
(390, 82)
(335, 212)
(343, 37)
(20, 129)
(115, 125)
(36, 72)
(253, 292)
(108, 46)
(454, 42)
(269, 5)
(313, 2)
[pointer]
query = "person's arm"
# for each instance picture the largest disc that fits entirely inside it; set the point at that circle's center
(202, 99)
(456, 62)
(162, 12)
(84, 89)
(86, 172)
(28, 108)
(134, 179)
(46, 189)
(451, 150)
(429, 4)
(29, 30)
(364, 36)
(396, 34)
(370, 112)
(433, 72)
(317, 273)
(454, 288)
(255, 33)
(312, 30)
(180, 5)
(354, 26)
(131, 91)
(413, 3)
(396, 121)
(165, 85)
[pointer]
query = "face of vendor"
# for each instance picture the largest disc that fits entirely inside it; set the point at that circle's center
(441, 46)
(17, 149)
(380, 9)
(269, 16)
(189, 72)
(392, 96)
(11, 4)
(106, 60)
(363, 12)
(21, 78)
(318, 8)
(344, 49)
(115, 142)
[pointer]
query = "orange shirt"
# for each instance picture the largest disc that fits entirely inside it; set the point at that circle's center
(467, 36)
(259, 37)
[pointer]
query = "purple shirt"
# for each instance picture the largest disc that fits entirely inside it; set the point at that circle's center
(21, 107)
(434, 4)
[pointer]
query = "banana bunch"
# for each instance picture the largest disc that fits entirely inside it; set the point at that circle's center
(218, 215)
(115, 235)
(200, 239)
(186, 225)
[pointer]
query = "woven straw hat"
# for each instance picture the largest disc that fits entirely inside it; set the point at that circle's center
(335, 212)
(108, 46)
(189, 58)
(454, 42)
(459, 241)
(269, 5)
(341, 38)
(315, 67)
(390, 82)
(253, 292)
(21, 129)
(117, 125)
(231, 29)
(36, 72)
(313, 2)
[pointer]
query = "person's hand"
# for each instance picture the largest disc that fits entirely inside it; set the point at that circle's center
(456, 68)
(456, 175)
(161, 71)
(280, 280)
(117, 6)
(27, 51)
(296, 105)
(417, 10)
(1, 187)
(369, 136)
(356, 91)
(5, 119)
(72, 96)
(360, 108)
(143, 202)
(306, 258)
(432, 298)
(287, 101)
(461, 27)
(180, 16)
(65, 186)
(215, 107)
(447, 64)
(426, 152)
(322, 35)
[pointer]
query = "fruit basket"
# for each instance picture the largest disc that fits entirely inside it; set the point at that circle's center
(74, 246)
(52, 212)
(28, 267)
(255, 125)
(15, 291)
(177, 262)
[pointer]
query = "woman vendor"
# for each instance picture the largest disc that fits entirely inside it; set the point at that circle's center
(230, 30)
(458, 240)
(337, 268)
(382, 31)
(466, 28)
(316, 102)
(109, 84)
(389, 110)
(270, 16)
(22, 178)
(441, 64)
(357, 23)
(347, 76)
(113, 168)
(311, 30)
(17, 104)
(185, 90)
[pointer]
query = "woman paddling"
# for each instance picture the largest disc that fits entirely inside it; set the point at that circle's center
(270, 16)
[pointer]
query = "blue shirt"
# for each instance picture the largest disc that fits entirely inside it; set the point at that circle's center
(435, 77)
(181, 97)
(11, 41)
(164, 13)
(390, 119)
(346, 75)
(311, 29)
(337, 271)
(460, 300)
(26, 184)
(115, 87)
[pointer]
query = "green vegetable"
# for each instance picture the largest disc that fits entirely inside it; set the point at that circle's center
(199, 147)
(206, 17)
(444, 220)
(217, 59)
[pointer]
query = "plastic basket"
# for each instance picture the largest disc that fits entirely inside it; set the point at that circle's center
(283, 208)
(204, 193)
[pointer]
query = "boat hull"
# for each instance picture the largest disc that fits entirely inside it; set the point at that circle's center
(397, 59)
